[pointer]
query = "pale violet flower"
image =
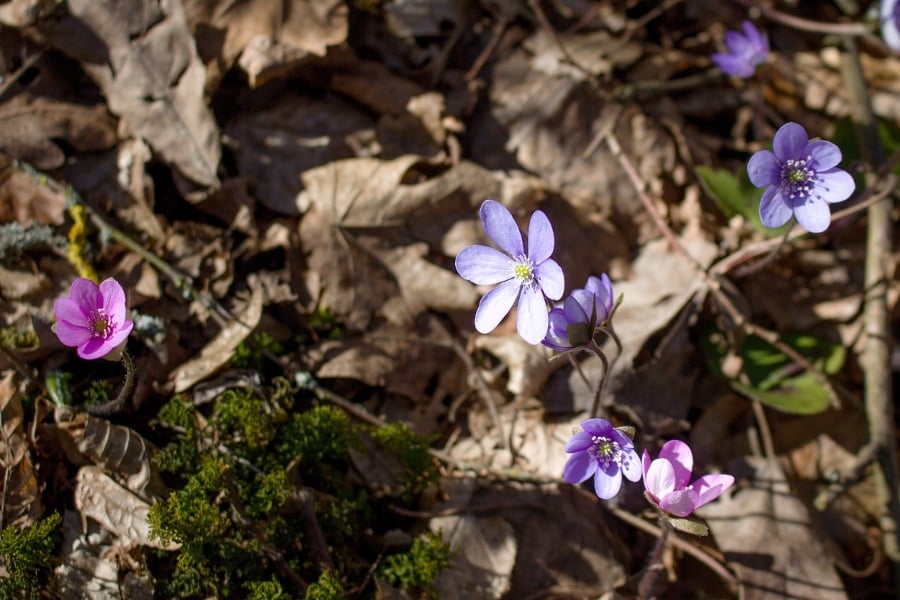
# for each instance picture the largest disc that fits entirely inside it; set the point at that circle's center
(93, 318)
(745, 51)
(524, 276)
(573, 324)
(603, 452)
(667, 480)
(890, 23)
(802, 177)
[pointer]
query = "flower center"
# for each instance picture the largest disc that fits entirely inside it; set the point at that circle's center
(605, 450)
(524, 269)
(797, 178)
(100, 324)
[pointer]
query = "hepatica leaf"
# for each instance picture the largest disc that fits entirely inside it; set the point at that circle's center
(735, 195)
(769, 376)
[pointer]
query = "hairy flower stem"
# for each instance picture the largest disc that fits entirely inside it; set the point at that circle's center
(116, 404)
(654, 561)
(876, 355)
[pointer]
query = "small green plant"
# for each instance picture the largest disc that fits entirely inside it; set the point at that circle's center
(417, 570)
(26, 553)
(251, 354)
(420, 469)
(328, 587)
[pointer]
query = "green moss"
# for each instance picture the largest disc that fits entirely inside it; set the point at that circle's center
(266, 590)
(97, 391)
(328, 587)
(420, 468)
(26, 553)
(316, 438)
(416, 570)
(251, 354)
(242, 415)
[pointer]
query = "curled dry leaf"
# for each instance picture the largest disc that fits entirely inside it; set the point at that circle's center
(220, 349)
(21, 503)
(143, 57)
(29, 126)
(102, 499)
(92, 564)
(268, 35)
(120, 451)
(25, 199)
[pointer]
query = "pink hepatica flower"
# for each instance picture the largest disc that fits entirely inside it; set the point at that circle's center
(667, 480)
(528, 277)
(745, 51)
(93, 318)
(604, 452)
(803, 178)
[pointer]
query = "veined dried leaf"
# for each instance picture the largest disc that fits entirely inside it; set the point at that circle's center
(143, 57)
(99, 497)
(122, 452)
(21, 496)
(93, 565)
(220, 349)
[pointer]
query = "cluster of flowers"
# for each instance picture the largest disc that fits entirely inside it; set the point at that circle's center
(530, 277)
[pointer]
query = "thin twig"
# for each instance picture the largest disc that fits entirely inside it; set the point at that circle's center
(801, 24)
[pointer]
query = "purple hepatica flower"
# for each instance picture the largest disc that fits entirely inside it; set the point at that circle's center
(601, 451)
(93, 318)
(745, 51)
(528, 277)
(572, 325)
(667, 480)
(804, 178)
(890, 23)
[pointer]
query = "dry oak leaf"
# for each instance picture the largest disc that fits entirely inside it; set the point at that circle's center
(116, 508)
(21, 494)
(29, 126)
(143, 58)
(767, 536)
(265, 34)
(219, 351)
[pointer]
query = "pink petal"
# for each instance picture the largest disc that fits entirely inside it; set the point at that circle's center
(86, 293)
(659, 479)
(709, 487)
(72, 334)
(680, 503)
(70, 311)
(113, 300)
(94, 348)
(679, 454)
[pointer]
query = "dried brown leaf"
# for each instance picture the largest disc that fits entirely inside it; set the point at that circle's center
(278, 144)
(21, 503)
(220, 349)
(120, 451)
(99, 497)
(96, 565)
(142, 55)
(267, 35)
(766, 534)
(24, 199)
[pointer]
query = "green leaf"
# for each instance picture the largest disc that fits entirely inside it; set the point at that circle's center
(768, 375)
(736, 196)
(846, 139)
(689, 526)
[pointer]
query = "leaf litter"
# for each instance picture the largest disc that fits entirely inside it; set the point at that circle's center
(309, 170)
